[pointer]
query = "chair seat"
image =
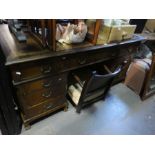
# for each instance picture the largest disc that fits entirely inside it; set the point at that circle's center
(74, 92)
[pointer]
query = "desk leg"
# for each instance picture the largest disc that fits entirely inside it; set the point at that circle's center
(27, 126)
(66, 107)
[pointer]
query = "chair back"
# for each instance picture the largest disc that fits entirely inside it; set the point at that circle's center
(98, 83)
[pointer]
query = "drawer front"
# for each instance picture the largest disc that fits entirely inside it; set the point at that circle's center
(125, 51)
(58, 64)
(37, 97)
(82, 59)
(46, 83)
(44, 108)
(31, 70)
(92, 58)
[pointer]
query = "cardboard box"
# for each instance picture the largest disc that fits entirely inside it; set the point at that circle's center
(110, 34)
(150, 25)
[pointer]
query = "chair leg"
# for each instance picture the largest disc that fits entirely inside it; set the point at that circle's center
(103, 98)
(104, 95)
(78, 109)
(106, 92)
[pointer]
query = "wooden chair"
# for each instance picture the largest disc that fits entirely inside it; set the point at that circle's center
(92, 88)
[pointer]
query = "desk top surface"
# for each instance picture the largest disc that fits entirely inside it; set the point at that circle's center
(148, 36)
(16, 52)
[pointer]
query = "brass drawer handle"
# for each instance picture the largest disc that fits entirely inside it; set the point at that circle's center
(60, 79)
(47, 95)
(113, 54)
(18, 73)
(63, 58)
(82, 62)
(48, 107)
(46, 69)
(125, 61)
(46, 85)
(130, 50)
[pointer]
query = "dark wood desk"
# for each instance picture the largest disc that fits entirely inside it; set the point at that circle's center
(39, 76)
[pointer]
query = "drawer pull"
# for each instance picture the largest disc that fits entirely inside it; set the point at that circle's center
(46, 69)
(82, 62)
(46, 85)
(48, 107)
(113, 54)
(130, 50)
(47, 95)
(63, 58)
(18, 73)
(59, 79)
(125, 62)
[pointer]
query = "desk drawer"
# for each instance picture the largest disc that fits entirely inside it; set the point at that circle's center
(126, 51)
(30, 100)
(95, 57)
(28, 71)
(82, 59)
(44, 108)
(59, 64)
(58, 81)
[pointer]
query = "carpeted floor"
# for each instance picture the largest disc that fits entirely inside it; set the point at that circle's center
(121, 113)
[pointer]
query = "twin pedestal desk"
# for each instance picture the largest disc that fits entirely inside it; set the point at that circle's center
(39, 76)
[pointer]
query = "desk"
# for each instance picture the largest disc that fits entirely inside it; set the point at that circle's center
(39, 76)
